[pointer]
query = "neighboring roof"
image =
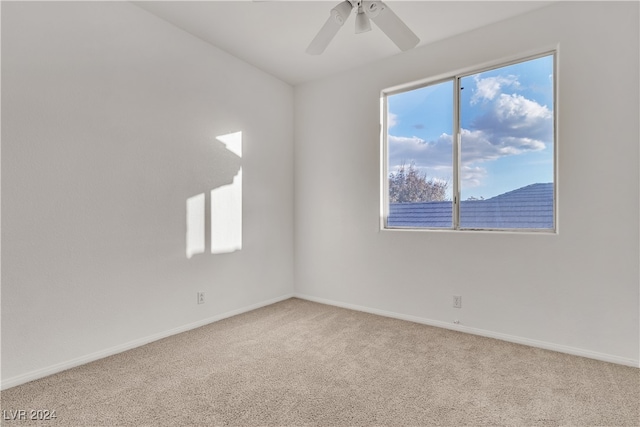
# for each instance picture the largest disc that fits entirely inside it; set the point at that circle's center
(526, 207)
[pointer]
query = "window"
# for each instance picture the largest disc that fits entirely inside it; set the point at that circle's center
(474, 151)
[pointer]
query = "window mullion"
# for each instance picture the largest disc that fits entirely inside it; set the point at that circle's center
(384, 163)
(456, 154)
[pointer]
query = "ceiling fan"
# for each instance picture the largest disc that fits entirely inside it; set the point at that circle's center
(376, 11)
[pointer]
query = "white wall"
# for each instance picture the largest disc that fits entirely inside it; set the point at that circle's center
(576, 291)
(109, 119)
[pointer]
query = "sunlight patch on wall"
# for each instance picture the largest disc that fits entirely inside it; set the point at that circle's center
(226, 205)
(225, 215)
(195, 225)
(232, 142)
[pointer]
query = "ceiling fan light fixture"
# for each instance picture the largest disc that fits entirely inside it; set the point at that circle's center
(362, 22)
(367, 11)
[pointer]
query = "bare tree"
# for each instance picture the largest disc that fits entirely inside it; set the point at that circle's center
(409, 185)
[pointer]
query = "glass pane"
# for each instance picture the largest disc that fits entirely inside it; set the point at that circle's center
(420, 157)
(507, 146)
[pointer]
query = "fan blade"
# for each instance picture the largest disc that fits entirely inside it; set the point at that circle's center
(390, 24)
(338, 15)
(324, 37)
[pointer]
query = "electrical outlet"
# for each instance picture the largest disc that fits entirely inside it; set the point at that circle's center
(200, 297)
(457, 301)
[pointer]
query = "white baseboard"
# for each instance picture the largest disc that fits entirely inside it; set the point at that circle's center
(63, 366)
(490, 334)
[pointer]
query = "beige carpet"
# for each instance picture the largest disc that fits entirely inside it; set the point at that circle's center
(302, 363)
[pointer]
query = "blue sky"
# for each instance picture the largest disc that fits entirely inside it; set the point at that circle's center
(506, 119)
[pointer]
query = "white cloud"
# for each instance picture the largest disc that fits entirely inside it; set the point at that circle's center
(472, 176)
(512, 145)
(411, 144)
(488, 88)
(392, 120)
(520, 111)
(425, 154)
(481, 146)
(514, 116)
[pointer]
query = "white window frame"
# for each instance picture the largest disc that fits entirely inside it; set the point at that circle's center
(456, 77)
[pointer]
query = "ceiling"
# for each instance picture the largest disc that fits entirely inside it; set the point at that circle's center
(273, 35)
